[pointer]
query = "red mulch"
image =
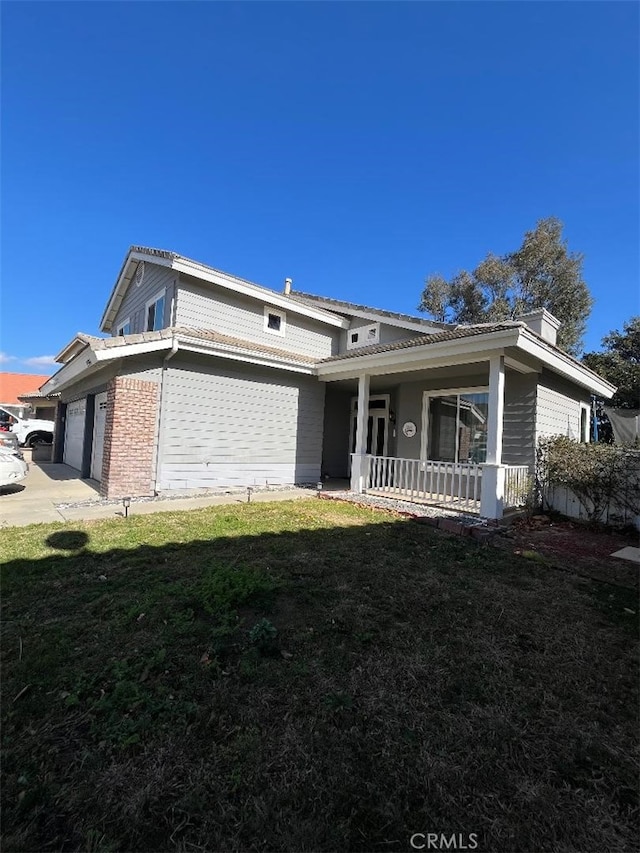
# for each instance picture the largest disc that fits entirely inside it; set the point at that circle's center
(574, 547)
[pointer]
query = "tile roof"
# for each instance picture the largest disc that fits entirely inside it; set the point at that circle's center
(422, 340)
(199, 334)
(340, 306)
(13, 384)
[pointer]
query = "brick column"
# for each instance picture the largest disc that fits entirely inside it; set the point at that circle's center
(129, 437)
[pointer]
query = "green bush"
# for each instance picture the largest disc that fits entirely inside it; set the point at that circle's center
(604, 478)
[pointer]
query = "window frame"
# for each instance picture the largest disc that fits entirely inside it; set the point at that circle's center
(585, 437)
(120, 328)
(443, 392)
(161, 294)
(276, 313)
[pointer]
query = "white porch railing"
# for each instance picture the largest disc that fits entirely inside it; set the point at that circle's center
(455, 483)
(516, 485)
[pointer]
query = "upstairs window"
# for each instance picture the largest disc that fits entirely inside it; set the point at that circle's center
(155, 313)
(363, 336)
(124, 328)
(274, 321)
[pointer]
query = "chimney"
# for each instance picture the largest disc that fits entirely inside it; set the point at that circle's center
(543, 323)
(287, 286)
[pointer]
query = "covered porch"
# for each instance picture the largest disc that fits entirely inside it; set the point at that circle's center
(459, 436)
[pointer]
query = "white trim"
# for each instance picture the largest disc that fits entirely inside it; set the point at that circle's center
(212, 276)
(379, 317)
(161, 294)
(121, 326)
(225, 351)
(441, 392)
(376, 413)
(256, 291)
(462, 351)
(280, 332)
(441, 353)
(564, 365)
(111, 353)
(82, 365)
(585, 408)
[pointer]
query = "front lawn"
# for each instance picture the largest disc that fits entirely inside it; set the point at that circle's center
(308, 676)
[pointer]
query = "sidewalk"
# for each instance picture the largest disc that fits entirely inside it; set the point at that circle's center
(55, 493)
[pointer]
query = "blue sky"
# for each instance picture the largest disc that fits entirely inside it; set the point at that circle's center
(355, 147)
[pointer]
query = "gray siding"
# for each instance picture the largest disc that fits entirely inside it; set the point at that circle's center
(558, 406)
(335, 446)
(238, 426)
(232, 314)
(409, 406)
(388, 333)
(156, 278)
(518, 435)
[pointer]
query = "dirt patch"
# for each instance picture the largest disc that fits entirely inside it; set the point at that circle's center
(573, 547)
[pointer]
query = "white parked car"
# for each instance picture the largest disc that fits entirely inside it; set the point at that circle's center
(13, 468)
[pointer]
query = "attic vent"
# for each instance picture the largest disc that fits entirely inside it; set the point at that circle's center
(139, 273)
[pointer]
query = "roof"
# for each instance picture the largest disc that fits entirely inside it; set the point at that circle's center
(525, 339)
(97, 344)
(208, 275)
(14, 384)
(341, 306)
(422, 340)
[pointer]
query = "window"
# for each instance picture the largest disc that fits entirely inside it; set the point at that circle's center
(363, 336)
(275, 321)
(155, 313)
(457, 427)
(124, 328)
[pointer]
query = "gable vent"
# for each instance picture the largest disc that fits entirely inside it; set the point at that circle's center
(139, 273)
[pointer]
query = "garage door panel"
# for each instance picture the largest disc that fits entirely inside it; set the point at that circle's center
(74, 433)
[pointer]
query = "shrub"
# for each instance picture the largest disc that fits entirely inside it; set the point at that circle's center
(604, 478)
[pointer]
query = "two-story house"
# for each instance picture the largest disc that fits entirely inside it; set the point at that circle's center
(211, 381)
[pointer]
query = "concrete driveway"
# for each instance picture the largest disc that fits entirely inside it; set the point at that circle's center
(42, 496)
(34, 499)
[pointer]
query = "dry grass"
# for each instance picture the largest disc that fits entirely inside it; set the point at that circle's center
(417, 683)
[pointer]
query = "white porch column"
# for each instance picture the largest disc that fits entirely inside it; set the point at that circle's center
(358, 460)
(492, 494)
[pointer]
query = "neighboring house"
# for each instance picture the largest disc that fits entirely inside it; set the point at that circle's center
(211, 381)
(15, 387)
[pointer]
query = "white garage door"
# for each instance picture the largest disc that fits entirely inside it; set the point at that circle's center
(99, 422)
(74, 433)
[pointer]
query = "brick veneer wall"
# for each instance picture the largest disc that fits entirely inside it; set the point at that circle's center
(129, 437)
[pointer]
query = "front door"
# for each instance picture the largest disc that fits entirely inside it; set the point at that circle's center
(377, 427)
(376, 434)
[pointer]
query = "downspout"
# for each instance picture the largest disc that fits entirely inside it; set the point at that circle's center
(165, 364)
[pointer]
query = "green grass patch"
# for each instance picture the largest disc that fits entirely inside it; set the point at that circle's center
(308, 676)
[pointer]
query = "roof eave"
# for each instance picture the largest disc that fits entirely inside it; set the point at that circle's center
(564, 364)
(471, 348)
(125, 276)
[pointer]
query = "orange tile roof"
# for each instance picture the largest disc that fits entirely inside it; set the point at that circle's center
(12, 384)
